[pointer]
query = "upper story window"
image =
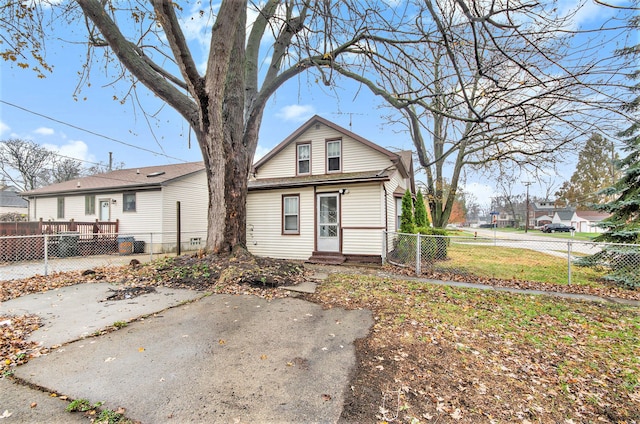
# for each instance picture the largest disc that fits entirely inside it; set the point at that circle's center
(304, 158)
(129, 202)
(334, 154)
(60, 207)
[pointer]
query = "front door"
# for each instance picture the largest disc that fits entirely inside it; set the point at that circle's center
(328, 219)
(104, 210)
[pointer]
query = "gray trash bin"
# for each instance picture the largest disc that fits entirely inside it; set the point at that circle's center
(68, 244)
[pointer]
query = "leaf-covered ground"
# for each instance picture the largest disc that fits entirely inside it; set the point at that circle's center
(444, 354)
(435, 353)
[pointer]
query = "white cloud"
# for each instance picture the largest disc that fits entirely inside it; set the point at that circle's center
(44, 131)
(76, 149)
(260, 152)
(482, 192)
(3, 128)
(296, 113)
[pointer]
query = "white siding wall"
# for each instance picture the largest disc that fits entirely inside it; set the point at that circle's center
(264, 225)
(362, 219)
(145, 219)
(392, 185)
(193, 196)
(356, 157)
(283, 164)
(13, 209)
(47, 209)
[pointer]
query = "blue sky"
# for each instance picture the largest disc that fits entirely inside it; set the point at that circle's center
(166, 139)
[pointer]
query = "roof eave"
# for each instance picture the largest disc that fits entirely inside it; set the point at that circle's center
(293, 184)
(81, 191)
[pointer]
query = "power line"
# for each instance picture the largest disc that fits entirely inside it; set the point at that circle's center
(91, 132)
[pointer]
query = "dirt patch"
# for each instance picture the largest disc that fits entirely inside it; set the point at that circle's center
(128, 293)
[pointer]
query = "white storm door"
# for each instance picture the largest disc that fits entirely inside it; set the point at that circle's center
(104, 210)
(328, 234)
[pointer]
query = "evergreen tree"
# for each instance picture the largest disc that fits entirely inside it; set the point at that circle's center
(421, 217)
(623, 226)
(407, 223)
(595, 170)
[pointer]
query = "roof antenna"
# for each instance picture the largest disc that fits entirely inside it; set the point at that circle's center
(350, 117)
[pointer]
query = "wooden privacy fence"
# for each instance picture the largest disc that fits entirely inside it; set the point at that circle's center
(20, 241)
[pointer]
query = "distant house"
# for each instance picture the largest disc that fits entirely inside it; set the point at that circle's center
(143, 201)
(563, 216)
(11, 202)
(587, 221)
(325, 194)
(541, 213)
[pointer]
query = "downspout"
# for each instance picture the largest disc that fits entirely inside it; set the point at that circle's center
(386, 208)
(385, 233)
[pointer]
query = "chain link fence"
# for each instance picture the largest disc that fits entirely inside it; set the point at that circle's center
(620, 262)
(26, 256)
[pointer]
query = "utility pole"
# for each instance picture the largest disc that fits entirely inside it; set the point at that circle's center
(526, 222)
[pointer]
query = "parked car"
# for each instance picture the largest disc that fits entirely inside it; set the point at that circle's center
(560, 228)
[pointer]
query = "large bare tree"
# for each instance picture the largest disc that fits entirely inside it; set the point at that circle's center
(390, 49)
(23, 163)
(496, 87)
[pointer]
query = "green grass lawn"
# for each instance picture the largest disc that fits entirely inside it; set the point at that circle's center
(508, 263)
(494, 355)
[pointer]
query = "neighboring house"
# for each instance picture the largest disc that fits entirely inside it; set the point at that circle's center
(541, 213)
(143, 201)
(325, 194)
(587, 221)
(563, 217)
(506, 219)
(11, 202)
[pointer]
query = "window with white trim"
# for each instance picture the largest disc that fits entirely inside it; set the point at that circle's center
(89, 205)
(129, 202)
(60, 207)
(334, 153)
(291, 214)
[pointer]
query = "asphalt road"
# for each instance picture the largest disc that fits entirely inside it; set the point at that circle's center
(550, 245)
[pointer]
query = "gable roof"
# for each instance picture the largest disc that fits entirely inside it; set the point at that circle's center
(396, 158)
(10, 199)
(592, 215)
(564, 215)
(121, 179)
(545, 206)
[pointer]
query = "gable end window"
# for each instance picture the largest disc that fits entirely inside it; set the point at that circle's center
(129, 202)
(304, 158)
(60, 207)
(291, 214)
(89, 205)
(334, 156)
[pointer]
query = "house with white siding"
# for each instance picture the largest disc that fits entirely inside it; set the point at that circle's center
(587, 221)
(142, 200)
(325, 194)
(10, 201)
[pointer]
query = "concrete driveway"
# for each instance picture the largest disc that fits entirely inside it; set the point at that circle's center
(220, 358)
